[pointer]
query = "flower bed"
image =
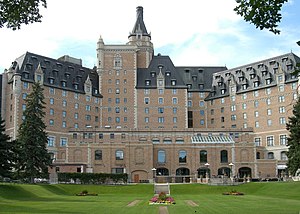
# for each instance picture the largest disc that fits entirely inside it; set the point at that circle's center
(233, 192)
(162, 198)
(86, 193)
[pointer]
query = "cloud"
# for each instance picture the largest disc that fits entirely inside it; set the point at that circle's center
(192, 32)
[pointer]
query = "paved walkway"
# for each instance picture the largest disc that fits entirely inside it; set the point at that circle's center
(163, 210)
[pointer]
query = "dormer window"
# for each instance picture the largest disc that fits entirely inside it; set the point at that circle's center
(168, 74)
(173, 82)
(153, 74)
(268, 81)
(148, 82)
(244, 86)
(189, 85)
(51, 81)
(223, 91)
(194, 78)
(63, 84)
(75, 86)
(255, 84)
(201, 86)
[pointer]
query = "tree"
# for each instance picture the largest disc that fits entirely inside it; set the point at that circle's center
(294, 140)
(264, 14)
(33, 158)
(13, 13)
(6, 151)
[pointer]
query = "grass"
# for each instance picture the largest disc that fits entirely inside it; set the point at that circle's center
(262, 198)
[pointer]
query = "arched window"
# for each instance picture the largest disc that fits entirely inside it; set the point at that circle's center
(117, 61)
(224, 156)
(119, 155)
(98, 155)
(161, 156)
(257, 155)
(203, 156)
(270, 155)
(283, 156)
(182, 156)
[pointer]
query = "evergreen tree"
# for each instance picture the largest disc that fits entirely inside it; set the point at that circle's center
(33, 157)
(293, 126)
(6, 152)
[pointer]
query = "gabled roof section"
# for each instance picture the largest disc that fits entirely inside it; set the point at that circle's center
(56, 73)
(139, 27)
(194, 79)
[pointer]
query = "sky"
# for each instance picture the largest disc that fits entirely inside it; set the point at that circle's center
(191, 32)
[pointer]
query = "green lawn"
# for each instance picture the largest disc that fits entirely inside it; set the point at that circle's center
(279, 197)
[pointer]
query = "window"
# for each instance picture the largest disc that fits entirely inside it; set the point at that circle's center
(270, 155)
(174, 100)
(119, 155)
(202, 112)
(161, 156)
(268, 101)
(282, 140)
(201, 103)
(256, 124)
(182, 156)
(174, 91)
(51, 90)
(88, 98)
(281, 88)
(51, 122)
(51, 141)
(281, 109)
(256, 114)
(161, 120)
(245, 115)
(25, 85)
(51, 101)
(160, 100)
(160, 91)
(283, 156)
(63, 141)
(257, 141)
(202, 122)
(146, 91)
(255, 93)
(281, 99)
(244, 96)
(64, 103)
(174, 119)
(112, 135)
(64, 114)
(87, 117)
(64, 124)
(161, 110)
(147, 100)
(203, 156)
(190, 103)
(117, 100)
(51, 111)
(64, 93)
(282, 121)
(269, 111)
(98, 155)
(244, 106)
(269, 122)
(233, 117)
(88, 108)
(23, 107)
(76, 106)
(255, 103)
(233, 108)
(268, 91)
(233, 98)
(224, 156)
(174, 110)
(270, 140)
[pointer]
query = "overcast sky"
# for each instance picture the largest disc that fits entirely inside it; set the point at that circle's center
(191, 32)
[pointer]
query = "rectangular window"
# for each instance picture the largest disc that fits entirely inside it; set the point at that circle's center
(174, 100)
(282, 121)
(51, 141)
(257, 141)
(270, 140)
(160, 100)
(161, 120)
(63, 141)
(283, 140)
(281, 109)
(146, 100)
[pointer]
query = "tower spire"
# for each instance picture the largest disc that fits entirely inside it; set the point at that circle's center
(139, 28)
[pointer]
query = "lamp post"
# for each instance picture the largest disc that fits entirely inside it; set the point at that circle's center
(154, 174)
(231, 172)
(207, 174)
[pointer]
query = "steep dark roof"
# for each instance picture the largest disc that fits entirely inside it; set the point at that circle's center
(59, 74)
(256, 75)
(193, 78)
(139, 26)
